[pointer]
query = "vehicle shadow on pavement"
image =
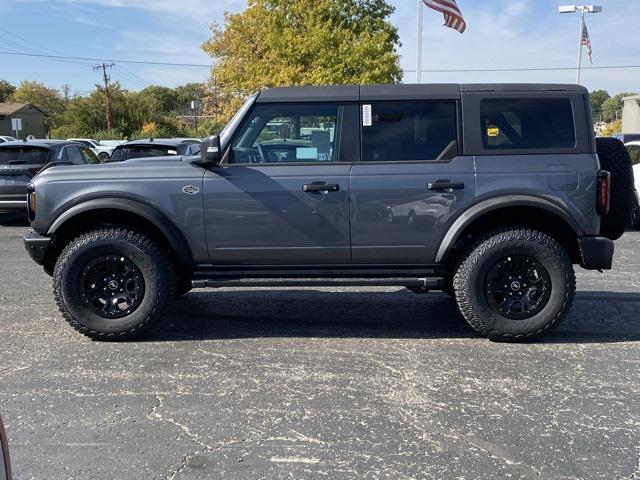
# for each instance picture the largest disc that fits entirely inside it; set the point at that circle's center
(596, 317)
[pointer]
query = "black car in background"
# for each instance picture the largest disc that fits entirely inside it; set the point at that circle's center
(155, 147)
(21, 160)
(5, 463)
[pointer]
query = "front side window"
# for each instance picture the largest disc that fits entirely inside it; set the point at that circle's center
(409, 131)
(527, 123)
(288, 133)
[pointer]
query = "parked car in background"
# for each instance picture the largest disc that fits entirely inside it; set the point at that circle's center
(112, 143)
(155, 147)
(634, 153)
(103, 152)
(5, 462)
(4, 139)
(20, 161)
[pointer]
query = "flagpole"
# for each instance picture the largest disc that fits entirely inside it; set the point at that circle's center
(580, 47)
(419, 42)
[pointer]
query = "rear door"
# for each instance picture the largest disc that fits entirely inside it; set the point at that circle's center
(282, 195)
(412, 181)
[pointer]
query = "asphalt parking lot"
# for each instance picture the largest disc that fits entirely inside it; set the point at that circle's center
(357, 383)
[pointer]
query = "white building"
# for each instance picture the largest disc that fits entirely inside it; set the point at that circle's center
(631, 114)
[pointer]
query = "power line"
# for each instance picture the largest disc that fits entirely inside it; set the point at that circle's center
(109, 60)
(523, 69)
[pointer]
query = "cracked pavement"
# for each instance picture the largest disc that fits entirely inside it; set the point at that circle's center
(316, 383)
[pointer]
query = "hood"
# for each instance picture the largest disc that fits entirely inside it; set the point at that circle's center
(135, 169)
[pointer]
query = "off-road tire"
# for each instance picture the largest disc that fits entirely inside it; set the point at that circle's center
(153, 264)
(470, 277)
(614, 158)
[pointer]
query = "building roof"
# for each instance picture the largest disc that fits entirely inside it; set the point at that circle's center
(12, 107)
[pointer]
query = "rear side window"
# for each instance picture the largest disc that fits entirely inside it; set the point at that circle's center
(23, 156)
(527, 123)
(142, 151)
(409, 131)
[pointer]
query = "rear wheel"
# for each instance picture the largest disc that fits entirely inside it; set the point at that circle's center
(514, 285)
(103, 157)
(113, 284)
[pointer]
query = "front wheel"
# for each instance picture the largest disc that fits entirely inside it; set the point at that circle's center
(113, 283)
(515, 284)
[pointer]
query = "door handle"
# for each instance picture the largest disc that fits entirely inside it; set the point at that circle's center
(321, 187)
(445, 185)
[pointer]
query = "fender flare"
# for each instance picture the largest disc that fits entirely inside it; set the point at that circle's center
(482, 208)
(161, 222)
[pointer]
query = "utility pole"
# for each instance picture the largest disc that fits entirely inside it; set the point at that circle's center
(107, 93)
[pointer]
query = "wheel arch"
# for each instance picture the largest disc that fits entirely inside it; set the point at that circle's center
(126, 212)
(522, 210)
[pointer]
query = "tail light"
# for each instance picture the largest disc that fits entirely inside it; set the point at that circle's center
(31, 202)
(604, 192)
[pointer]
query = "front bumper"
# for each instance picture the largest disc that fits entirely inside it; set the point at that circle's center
(37, 246)
(596, 253)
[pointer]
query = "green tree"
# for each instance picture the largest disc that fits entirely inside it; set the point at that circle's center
(612, 108)
(597, 98)
(303, 42)
(49, 99)
(6, 90)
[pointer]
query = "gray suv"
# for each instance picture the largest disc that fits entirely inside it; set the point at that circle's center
(490, 193)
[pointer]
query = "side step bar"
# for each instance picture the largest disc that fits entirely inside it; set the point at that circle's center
(434, 283)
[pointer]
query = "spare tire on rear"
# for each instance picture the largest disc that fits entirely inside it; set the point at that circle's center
(615, 159)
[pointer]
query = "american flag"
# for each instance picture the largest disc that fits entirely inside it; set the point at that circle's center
(452, 14)
(586, 41)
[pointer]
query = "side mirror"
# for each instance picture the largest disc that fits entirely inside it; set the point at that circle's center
(211, 151)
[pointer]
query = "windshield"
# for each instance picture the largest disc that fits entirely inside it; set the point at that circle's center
(23, 155)
(142, 151)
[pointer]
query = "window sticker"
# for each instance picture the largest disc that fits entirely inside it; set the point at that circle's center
(493, 131)
(367, 119)
(306, 153)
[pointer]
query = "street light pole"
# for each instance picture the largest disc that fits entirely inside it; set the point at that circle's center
(582, 9)
(419, 41)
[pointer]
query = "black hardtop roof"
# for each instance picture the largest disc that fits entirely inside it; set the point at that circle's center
(39, 143)
(403, 91)
(167, 142)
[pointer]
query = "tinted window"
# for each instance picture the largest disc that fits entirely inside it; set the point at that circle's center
(142, 151)
(527, 123)
(88, 156)
(406, 131)
(73, 155)
(23, 155)
(288, 133)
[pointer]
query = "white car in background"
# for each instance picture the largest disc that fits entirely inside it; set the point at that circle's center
(103, 152)
(4, 139)
(634, 153)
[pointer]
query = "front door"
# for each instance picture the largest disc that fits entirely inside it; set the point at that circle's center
(411, 182)
(281, 196)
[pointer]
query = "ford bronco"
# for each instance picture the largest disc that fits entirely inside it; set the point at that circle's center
(490, 193)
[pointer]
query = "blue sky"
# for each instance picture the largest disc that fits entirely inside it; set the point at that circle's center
(501, 33)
